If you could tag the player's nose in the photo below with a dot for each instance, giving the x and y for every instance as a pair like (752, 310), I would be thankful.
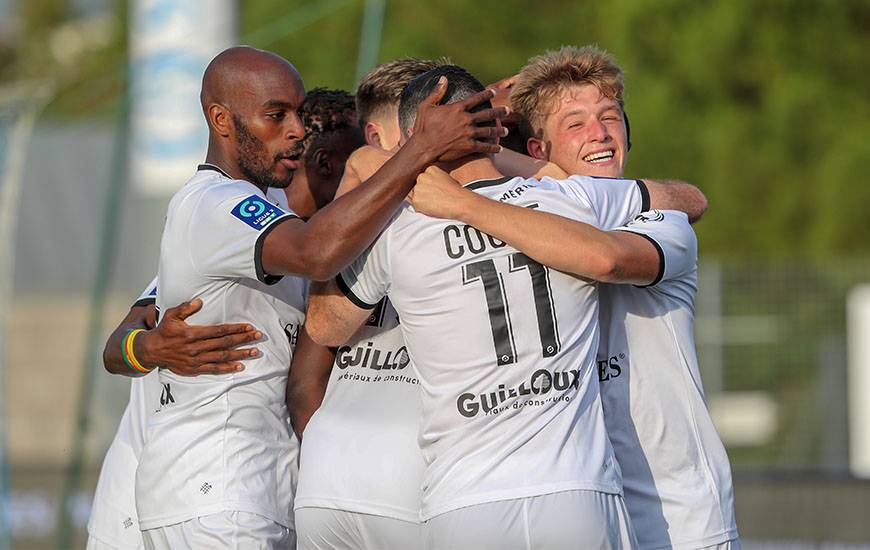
(295, 130)
(597, 130)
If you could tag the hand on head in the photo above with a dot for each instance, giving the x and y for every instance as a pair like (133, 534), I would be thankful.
(452, 131)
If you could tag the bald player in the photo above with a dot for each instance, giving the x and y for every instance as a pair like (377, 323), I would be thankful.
(331, 133)
(218, 467)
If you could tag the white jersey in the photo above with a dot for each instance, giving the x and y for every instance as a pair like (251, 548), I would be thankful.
(113, 518)
(360, 451)
(505, 348)
(675, 471)
(223, 442)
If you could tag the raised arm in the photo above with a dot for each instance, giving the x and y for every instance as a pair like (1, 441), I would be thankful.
(184, 349)
(581, 249)
(338, 233)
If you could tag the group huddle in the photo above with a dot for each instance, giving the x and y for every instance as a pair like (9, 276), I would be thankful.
(430, 315)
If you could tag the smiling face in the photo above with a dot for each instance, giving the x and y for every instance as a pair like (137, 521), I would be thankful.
(268, 129)
(583, 133)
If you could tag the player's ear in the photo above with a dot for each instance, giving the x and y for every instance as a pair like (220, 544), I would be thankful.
(220, 119)
(322, 163)
(537, 148)
(372, 134)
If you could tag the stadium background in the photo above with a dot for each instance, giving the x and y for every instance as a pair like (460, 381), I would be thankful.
(763, 104)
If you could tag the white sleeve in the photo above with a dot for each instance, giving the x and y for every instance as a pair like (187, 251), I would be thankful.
(367, 279)
(148, 296)
(227, 228)
(614, 202)
(673, 237)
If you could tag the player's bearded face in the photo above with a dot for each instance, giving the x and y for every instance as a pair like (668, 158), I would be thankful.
(586, 133)
(257, 164)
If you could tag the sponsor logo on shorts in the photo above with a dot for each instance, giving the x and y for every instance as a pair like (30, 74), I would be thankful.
(256, 212)
(542, 387)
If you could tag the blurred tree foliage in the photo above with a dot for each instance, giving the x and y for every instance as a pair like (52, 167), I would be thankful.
(764, 104)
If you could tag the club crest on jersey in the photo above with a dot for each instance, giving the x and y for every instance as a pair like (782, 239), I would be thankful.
(649, 216)
(256, 212)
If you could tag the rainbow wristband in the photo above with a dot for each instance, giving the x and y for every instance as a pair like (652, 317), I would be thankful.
(127, 352)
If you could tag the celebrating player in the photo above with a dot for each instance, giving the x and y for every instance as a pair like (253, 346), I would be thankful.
(370, 411)
(512, 431)
(218, 464)
(677, 479)
(331, 131)
(676, 474)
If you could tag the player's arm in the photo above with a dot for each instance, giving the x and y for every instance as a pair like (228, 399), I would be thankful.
(567, 245)
(511, 163)
(677, 195)
(333, 317)
(184, 349)
(309, 375)
(338, 233)
(663, 194)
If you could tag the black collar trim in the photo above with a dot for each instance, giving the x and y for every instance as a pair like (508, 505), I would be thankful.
(480, 184)
(218, 169)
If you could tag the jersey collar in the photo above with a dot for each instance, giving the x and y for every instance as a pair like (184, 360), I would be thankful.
(218, 169)
(480, 184)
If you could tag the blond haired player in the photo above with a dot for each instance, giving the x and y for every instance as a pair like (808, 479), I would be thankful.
(377, 98)
(676, 475)
(512, 430)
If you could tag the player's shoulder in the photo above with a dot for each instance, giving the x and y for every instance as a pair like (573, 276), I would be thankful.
(505, 188)
(207, 193)
(672, 221)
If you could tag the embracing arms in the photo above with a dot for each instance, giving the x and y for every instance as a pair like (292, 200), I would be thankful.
(338, 233)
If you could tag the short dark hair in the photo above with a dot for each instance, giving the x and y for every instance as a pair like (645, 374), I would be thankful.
(460, 85)
(383, 85)
(324, 113)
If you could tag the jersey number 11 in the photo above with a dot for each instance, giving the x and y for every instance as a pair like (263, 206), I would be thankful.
(499, 309)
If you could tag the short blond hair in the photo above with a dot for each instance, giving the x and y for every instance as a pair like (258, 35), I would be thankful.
(381, 87)
(545, 76)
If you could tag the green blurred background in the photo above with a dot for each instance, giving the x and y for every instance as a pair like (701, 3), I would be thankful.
(763, 104)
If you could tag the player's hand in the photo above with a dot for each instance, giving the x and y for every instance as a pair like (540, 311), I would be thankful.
(449, 132)
(189, 350)
(439, 195)
(502, 90)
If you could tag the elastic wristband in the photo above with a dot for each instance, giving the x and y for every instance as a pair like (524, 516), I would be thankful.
(129, 356)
